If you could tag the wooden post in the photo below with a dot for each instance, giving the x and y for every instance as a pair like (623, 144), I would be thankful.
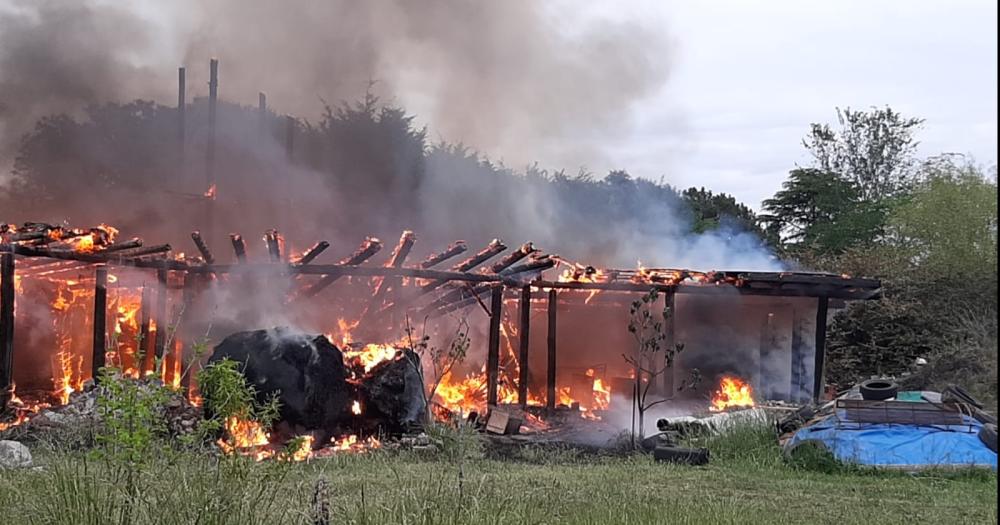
(187, 300)
(100, 320)
(273, 245)
(819, 373)
(145, 348)
(524, 309)
(262, 112)
(289, 137)
(161, 313)
(206, 254)
(239, 248)
(493, 354)
(6, 327)
(213, 95)
(181, 111)
(550, 380)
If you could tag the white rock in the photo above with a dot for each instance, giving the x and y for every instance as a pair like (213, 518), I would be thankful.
(14, 455)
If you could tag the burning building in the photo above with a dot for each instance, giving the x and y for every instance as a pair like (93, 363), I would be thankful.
(540, 331)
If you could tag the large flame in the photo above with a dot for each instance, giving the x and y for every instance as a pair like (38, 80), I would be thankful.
(733, 392)
(371, 355)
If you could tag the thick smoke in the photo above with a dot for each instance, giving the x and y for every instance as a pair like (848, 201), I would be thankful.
(511, 78)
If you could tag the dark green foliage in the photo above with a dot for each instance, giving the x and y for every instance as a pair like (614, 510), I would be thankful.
(881, 338)
(819, 212)
(132, 417)
(226, 394)
(711, 211)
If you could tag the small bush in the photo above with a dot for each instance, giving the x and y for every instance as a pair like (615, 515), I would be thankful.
(227, 394)
(132, 416)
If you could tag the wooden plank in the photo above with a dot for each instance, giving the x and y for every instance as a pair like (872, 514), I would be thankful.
(493, 352)
(524, 311)
(819, 363)
(550, 379)
(6, 327)
(100, 321)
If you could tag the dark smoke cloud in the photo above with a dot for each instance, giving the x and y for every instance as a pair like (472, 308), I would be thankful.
(515, 78)
(58, 56)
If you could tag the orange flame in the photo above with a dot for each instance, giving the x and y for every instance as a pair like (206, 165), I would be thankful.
(732, 392)
(371, 355)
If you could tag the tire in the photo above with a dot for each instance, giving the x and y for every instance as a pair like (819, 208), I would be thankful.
(878, 390)
(684, 456)
(988, 435)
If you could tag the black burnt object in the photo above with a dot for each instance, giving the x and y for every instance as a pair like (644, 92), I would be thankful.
(306, 372)
(392, 394)
(318, 393)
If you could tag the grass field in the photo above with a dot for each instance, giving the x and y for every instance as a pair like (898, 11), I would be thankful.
(746, 483)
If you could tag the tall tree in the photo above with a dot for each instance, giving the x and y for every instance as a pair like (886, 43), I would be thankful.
(873, 149)
(820, 212)
(711, 211)
(948, 224)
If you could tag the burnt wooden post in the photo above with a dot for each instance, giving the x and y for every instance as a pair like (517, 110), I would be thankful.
(100, 320)
(312, 253)
(262, 112)
(213, 96)
(144, 347)
(239, 247)
(667, 381)
(289, 137)
(550, 379)
(6, 327)
(819, 373)
(523, 341)
(206, 254)
(161, 313)
(181, 110)
(273, 245)
(493, 355)
(187, 300)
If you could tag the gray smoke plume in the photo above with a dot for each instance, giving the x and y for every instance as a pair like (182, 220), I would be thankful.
(513, 78)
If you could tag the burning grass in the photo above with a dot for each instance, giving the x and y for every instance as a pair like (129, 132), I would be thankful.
(746, 483)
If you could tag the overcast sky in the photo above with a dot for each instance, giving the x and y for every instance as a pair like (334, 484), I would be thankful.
(748, 78)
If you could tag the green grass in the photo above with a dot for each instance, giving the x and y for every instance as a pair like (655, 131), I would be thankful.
(746, 482)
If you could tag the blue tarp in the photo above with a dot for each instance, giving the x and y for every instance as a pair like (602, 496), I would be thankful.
(909, 447)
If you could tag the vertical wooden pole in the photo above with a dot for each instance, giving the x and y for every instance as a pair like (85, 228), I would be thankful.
(239, 247)
(187, 299)
(289, 137)
(550, 380)
(493, 354)
(819, 373)
(100, 320)
(161, 313)
(667, 382)
(525, 313)
(262, 113)
(181, 111)
(213, 95)
(6, 327)
(145, 349)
